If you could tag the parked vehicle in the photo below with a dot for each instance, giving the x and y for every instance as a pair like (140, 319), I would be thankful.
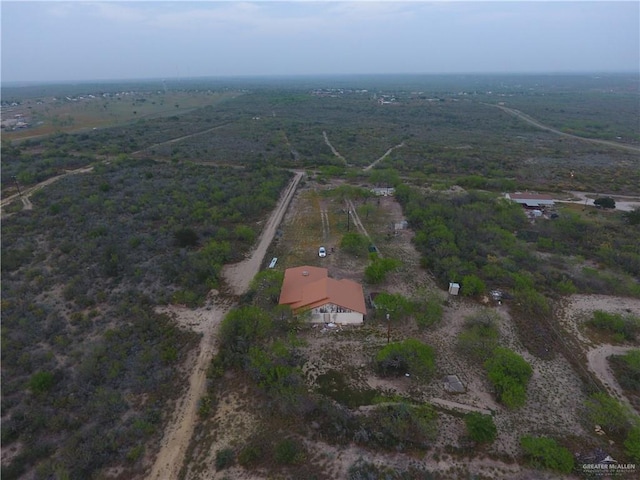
(322, 252)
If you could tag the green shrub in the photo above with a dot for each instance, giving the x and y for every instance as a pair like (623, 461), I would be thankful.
(605, 202)
(398, 426)
(472, 286)
(135, 453)
(609, 413)
(354, 243)
(480, 336)
(632, 217)
(41, 382)
(546, 453)
(395, 304)
(204, 406)
(410, 356)
(626, 327)
(480, 427)
(276, 369)
(185, 237)
(627, 370)
(378, 269)
(632, 443)
(429, 313)
(242, 328)
(532, 302)
(289, 452)
(509, 373)
(250, 455)
(224, 458)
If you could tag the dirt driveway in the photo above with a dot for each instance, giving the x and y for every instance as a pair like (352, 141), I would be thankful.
(206, 320)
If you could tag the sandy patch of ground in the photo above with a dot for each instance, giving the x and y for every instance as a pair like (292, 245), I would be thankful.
(180, 429)
(577, 310)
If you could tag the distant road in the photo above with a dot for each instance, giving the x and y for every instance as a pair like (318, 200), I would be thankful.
(27, 192)
(536, 123)
(624, 203)
(335, 152)
(386, 154)
(179, 139)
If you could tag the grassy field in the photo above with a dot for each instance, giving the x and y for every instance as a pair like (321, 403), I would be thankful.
(81, 113)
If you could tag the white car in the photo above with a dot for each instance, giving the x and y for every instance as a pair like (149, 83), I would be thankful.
(322, 252)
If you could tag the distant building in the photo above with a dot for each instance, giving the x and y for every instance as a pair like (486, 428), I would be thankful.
(383, 192)
(329, 301)
(531, 200)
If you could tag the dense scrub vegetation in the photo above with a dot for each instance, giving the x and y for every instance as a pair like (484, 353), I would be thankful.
(88, 368)
(286, 127)
(471, 234)
(620, 327)
(128, 223)
(75, 404)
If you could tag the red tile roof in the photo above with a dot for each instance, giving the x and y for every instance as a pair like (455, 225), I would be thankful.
(310, 287)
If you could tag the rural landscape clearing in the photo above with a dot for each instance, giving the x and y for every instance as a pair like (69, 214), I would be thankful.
(144, 326)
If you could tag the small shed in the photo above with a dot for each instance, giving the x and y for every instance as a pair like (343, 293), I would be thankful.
(454, 288)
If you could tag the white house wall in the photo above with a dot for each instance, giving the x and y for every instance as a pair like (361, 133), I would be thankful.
(343, 318)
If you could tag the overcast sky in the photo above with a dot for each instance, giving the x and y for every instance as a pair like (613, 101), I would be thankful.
(58, 41)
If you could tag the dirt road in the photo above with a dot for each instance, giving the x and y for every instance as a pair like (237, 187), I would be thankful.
(239, 276)
(386, 154)
(599, 365)
(179, 139)
(335, 152)
(206, 320)
(536, 123)
(624, 203)
(357, 222)
(27, 192)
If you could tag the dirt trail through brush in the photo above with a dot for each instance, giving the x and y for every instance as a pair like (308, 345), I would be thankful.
(239, 276)
(335, 152)
(386, 154)
(179, 139)
(27, 192)
(536, 123)
(206, 320)
(599, 365)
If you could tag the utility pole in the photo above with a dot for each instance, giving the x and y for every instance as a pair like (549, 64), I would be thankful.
(15, 180)
(388, 329)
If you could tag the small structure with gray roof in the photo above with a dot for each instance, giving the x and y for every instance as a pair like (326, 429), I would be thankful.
(531, 200)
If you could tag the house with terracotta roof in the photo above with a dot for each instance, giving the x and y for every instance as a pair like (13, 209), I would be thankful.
(328, 300)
